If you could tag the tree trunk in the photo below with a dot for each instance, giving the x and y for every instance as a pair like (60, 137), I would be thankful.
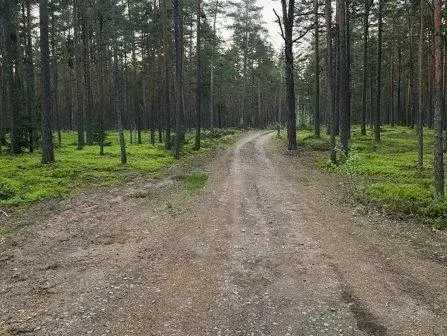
(437, 141)
(343, 77)
(330, 79)
(56, 113)
(88, 111)
(30, 87)
(199, 78)
(47, 137)
(213, 51)
(119, 106)
(379, 73)
(78, 77)
(178, 29)
(167, 72)
(101, 114)
(420, 129)
(317, 70)
(288, 18)
(10, 38)
(368, 4)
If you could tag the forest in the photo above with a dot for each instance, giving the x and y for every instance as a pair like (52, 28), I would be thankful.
(362, 75)
(223, 167)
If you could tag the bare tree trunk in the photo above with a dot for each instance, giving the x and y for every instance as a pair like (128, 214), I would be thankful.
(377, 122)
(400, 116)
(343, 79)
(78, 77)
(101, 114)
(420, 129)
(368, 4)
(10, 38)
(199, 77)
(167, 72)
(411, 120)
(213, 51)
(88, 111)
(47, 137)
(437, 141)
(330, 79)
(30, 87)
(134, 85)
(317, 70)
(288, 11)
(56, 113)
(179, 113)
(119, 106)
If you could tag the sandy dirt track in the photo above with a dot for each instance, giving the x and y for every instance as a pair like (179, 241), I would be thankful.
(267, 248)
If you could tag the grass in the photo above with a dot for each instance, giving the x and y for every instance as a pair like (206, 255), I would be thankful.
(25, 180)
(4, 230)
(194, 181)
(386, 175)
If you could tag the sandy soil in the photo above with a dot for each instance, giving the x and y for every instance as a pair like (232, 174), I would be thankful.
(267, 248)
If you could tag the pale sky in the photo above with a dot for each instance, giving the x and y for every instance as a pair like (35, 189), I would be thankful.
(270, 18)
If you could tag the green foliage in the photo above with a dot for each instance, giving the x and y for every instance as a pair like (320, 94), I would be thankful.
(387, 174)
(308, 140)
(210, 139)
(8, 188)
(25, 180)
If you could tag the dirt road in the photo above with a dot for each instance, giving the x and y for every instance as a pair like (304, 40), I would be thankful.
(265, 249)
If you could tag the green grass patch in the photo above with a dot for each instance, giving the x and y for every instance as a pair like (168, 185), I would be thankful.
(386, 174)
(194, 182)
(4, 230)
(25, 180)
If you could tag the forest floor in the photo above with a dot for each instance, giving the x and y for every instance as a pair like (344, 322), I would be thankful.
(269, 247)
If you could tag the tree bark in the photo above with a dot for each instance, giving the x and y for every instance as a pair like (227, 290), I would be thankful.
(56, 113)
(178, 29)
(10, 38)
(330, 79)
(420, 129)
(30, 87)
(119, 106)
(317, 70)
(343, 77)
(377, 122)
(88, 111)
(47, 136)
(78, 77)
(213, 51)
(368, 4)
(199, 77)
(437, 141)
(289, 18)
(101, 114)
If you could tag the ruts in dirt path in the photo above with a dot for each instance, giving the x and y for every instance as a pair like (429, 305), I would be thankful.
(264, 249)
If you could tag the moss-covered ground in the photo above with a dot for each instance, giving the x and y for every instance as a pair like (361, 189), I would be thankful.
(24, 180)
(386, 174)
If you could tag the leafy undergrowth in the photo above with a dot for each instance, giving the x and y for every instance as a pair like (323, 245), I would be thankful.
(25, 180)
(386, 175)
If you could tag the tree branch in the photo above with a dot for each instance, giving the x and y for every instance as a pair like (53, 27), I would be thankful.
(280, 25)
(303, 34)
